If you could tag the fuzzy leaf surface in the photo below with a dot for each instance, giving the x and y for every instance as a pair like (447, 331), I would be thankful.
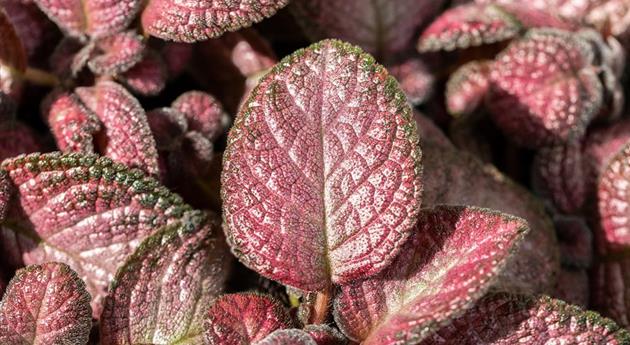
(44, 305)
(147, 77)
(203, 112)
(116, 54)
(288, 337)
(244, 318)
(85, 211)
(324, 152)
(452, 258)
(199, 20)
(159, 296)
(72, 124)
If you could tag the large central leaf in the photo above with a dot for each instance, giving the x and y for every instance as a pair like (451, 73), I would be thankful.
(321, 182)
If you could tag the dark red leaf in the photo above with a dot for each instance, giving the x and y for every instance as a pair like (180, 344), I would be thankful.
(572, 286)
(324, 152)
(575, 240)
(288, 337)
(325, 335)
(148, 77)
(45, 304)
(244, 318)
(29, 22)
(463, 249)
(610, 280)
(160, 294)
(198, 20)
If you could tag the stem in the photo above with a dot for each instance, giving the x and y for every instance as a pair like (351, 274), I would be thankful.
(40, 77)
(321, 306)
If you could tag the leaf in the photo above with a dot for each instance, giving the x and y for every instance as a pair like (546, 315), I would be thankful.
(545, 89)
(572, 286)
(324, 152)
(73, 125)
(467, 87)
(69, 57)
(325, 335)
(383, 28)
(116, 54)
(600, 146)
(288, 337)
(93, 18)
(610, 279)
(30, 24)
(612, 203)
(177, 57)
(509, 319)
(200, 20)
(148, 77)
(16, 138)
(415, 79)
(560, 175)
(575, 240)
(467, 26)
(203, 112)
(45, 304)
(126, 136)
(463, 249)
(447, 176)
(85, 211)
(12, 57)
(160, 294)
(243, 318)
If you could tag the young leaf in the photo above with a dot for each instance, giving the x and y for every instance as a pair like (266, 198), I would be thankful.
(72, 124)
(146, 78)
(325, 152)
(451, 260)
(383, 28)
(93, 18)
(116, 54)
(45, 304)
(467, 87)
(545, 89)
(468, 26)
(243, 318)
(288, 337)
(126, 136)
(84, 210)
(199, 20)
(415, 79)
(12, 57)
(203, 113)
(510, 319)
(160, 294)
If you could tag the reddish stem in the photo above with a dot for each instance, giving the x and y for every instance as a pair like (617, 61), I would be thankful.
(319, 313)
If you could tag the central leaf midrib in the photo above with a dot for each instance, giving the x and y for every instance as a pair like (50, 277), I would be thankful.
(325, 220)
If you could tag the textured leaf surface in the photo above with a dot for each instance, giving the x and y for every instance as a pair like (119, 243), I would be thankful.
(148, 77)
(244, 318)
(161, 293)
(288, 337)
(610, 290)
(467, 87)
(325, 153)
(12, 57)
(415, 79)
(45, 304)
(468, 26)
(203, 112)
(448, 173)
(561, 173)
(86, 211)
(72, 123)
(505, 319)
(325, 335)
(449, 262)
(601, 145)
(126, 136)
(545, 89)
(117, 53)
(198, 20)
(95, 18)
(383, 28)
(613, 201)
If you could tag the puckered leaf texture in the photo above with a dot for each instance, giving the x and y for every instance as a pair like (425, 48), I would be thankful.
(45, 305)
(160, 295)
(452, 258)
(322, 176)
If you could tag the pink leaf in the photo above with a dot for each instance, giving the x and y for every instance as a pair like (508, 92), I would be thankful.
(95, 18)
(72, 123)
(116, 54)
(468, 26)
(601, 145)
(383, 28)
(45, 304)
(506, 319)
(126, 136)
(467, 87)
(545, 89)
(288, 337)
(159, 295)
(198, 20)
(324, 152)
(463, 249)
(325, 335)
(447, 175)
(86, 211)
(560, 172)
(203, 113)
(243, 318)
(148, 77)
(415, 79)
(12, 57)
